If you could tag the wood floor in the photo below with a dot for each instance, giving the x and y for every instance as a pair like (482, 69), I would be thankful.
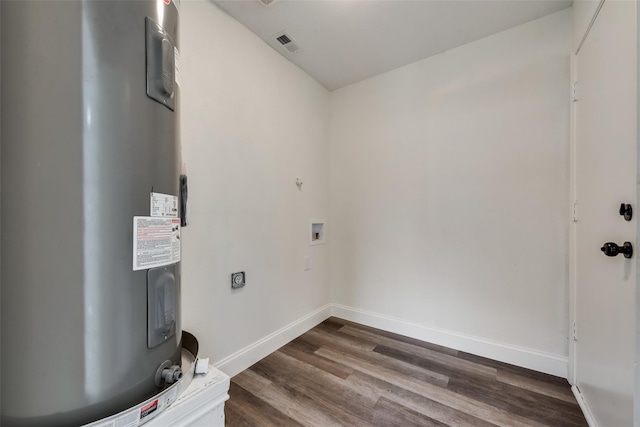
(344, 374)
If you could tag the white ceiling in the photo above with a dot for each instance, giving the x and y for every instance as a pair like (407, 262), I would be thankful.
(345, 41)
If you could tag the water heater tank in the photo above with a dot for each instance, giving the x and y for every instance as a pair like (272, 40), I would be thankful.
(90, 220)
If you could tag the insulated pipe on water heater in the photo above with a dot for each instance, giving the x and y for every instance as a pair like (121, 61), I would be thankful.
(90, 183)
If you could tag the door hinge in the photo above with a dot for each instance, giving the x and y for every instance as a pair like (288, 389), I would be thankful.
(575, 212)
(575, 332)
(574, 92)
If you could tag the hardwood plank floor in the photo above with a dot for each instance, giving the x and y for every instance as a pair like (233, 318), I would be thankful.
(344, 374)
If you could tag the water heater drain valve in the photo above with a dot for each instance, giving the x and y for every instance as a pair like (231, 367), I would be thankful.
(168, 373)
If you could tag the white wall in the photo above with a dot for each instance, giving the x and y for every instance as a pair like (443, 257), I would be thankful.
(449, 191)
(583, 12)
(448, 188)
(251, 124)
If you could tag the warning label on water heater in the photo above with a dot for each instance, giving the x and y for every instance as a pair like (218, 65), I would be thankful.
(156, 242)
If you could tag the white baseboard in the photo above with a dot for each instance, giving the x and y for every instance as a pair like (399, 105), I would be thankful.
(515, 355)
(520, 356)
(241, 360)
(586, 410)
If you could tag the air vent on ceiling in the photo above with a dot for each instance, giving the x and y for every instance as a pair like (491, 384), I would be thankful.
(267, 2)
(286, 41)
(283, 39)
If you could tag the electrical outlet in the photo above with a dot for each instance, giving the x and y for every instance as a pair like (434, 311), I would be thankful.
(238, 280)
(307, 263)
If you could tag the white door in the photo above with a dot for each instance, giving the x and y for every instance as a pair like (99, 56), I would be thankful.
(605, 141)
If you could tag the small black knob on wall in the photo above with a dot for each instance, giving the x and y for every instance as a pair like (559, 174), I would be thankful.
(626, 211)
(612, 249)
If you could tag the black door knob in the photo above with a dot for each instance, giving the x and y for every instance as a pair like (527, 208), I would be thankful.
(611, 249)
(626, 211)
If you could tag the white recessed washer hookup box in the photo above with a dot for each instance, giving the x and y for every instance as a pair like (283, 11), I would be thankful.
(318, 232)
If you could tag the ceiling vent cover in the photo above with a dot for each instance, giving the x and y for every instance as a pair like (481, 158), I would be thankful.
(285, 40)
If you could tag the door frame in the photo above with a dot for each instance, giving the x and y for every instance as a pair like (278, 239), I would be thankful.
(573, 217)
(574, 208)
